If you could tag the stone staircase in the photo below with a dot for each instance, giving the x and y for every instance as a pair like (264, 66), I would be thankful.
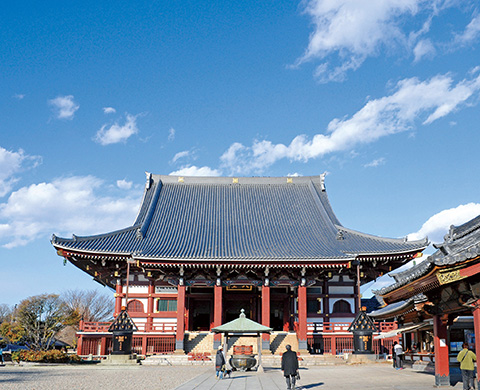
(278, 341)
(198, 342)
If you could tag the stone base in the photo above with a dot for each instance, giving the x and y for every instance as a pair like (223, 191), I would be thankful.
(361, 358)
(115, 360)
(442, 380)
(179, 352)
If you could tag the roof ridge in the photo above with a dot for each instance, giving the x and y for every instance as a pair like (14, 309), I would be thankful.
(55, 239)
(385, 239)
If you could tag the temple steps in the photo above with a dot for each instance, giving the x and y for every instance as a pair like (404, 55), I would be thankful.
(201, 342)
(198, 342)
(278, 341)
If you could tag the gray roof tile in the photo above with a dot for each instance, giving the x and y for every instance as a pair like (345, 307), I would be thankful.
(204, 218)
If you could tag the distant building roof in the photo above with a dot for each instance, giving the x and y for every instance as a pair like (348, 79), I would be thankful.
(460, 244)
(247, 219)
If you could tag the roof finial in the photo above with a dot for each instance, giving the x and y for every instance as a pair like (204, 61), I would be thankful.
(242, 313)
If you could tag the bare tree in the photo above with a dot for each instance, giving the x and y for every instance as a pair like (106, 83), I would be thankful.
(90, 305)
(41, 317)
(6, 312)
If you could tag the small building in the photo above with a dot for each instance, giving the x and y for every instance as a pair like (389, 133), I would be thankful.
(203, 248)
(449, 283)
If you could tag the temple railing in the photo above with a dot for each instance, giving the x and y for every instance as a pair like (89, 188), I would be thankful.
(102, 327)
(334, 327)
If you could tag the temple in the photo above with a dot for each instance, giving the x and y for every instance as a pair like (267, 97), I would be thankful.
(203, 248)
(437, 294)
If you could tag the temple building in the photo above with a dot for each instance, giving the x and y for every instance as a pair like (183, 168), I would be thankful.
(443, 288)
(203, 248)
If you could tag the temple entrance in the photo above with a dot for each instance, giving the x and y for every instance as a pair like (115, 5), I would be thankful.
(280, 309)
(236, 300)
(200, 314)
(200, 308)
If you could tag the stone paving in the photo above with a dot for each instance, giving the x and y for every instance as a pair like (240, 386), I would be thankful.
(365, 376)
(361, 376)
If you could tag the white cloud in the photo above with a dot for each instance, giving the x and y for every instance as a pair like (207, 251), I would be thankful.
(347, 32)
(12, 163)
(471, 33)
(109, 110)
(41, 209)
(171, 134)
(180, 155)
(19, 96)
(375, 163)
(192, 170)
(412, 101)
(124, 185)
(116, 133)
(424, 49)
(64, 107)
(438, 225)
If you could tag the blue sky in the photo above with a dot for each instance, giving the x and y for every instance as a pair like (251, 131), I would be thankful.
(382, 95)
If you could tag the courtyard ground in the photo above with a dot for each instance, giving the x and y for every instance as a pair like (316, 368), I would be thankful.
(59, 377)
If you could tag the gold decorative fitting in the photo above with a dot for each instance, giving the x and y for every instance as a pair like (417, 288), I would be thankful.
(449, 277)
(115, 273)
(87, 267)
(289, 180)
(235, 180)
(181, 179)
(96, 273)
(149, 274)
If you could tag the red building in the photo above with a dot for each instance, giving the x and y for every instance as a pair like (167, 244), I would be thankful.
(203, 248)
(448, 283)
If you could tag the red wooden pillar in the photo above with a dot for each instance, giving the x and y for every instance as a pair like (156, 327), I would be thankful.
(118, 298)
(80, 344)
(179, 347)
(302, 318)
(151, 291)
(217, 313)
(266, 316)
(144, 345)
(476, 324)
(103, 346)
(442, 361)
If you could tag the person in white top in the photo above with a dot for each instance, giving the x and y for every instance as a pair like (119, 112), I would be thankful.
(399, 356)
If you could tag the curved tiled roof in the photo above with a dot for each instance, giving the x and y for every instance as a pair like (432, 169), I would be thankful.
(460, 244)
(201, 218)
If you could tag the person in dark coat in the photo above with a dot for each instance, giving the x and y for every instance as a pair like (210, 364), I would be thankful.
(290, 367)
(219, 363)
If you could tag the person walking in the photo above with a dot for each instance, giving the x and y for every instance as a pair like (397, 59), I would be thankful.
(394, 358)
(466, 359)
(219, 363)
(399, 356)
(290, 367)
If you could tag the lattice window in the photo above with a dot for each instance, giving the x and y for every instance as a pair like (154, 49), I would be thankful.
(167, 305)
(135, 306)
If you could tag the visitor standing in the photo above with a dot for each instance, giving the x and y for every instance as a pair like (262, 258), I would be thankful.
(399, 356)
(219, 363)
(394, 358)
(290, 367)
(466, 359)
